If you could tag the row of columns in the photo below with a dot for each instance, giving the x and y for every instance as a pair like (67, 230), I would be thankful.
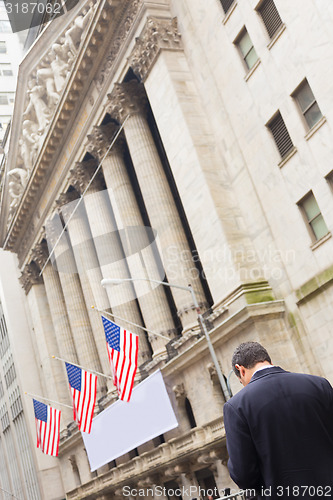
(106, 237)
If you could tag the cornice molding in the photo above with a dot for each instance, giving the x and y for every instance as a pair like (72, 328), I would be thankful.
(125, 27)
(158, 34)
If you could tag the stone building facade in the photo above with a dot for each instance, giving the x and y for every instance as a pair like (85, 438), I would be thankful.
(209, 123)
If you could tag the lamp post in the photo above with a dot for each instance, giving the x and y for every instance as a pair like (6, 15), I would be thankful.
(117, 281)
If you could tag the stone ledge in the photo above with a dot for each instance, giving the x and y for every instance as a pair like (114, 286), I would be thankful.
(220, 334)
(315, 285)
(207, 439)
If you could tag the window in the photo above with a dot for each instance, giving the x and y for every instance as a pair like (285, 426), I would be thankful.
(3, 48)
(6, 99)
(5, 27)
(281, 135)
(270, 16)
(246, 49)
(313, 217)
(226, 4)
(329, 178)
(6, 70)
(307, 103)
(190, 414)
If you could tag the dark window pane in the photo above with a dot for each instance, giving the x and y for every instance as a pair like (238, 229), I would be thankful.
(226, 4)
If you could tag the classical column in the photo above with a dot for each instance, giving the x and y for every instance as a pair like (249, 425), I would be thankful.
(57, 304)
(109, 258)
(192, 142)
(89, 272)
(75, 304)
(134, 237)
(129, 100)
(54, 380)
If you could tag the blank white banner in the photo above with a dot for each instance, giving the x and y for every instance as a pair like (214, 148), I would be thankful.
(124, 426)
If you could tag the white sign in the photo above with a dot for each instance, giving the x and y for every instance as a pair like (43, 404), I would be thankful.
(124, 426)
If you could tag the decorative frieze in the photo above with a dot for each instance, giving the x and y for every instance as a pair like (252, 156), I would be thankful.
(158, 34)
(125, 27)
(45, 86)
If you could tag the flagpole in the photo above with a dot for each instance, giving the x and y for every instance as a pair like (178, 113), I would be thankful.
(83, 368)
(130, 323)
(47, 399)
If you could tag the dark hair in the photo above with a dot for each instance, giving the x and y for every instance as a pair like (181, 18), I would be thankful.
(248, 355)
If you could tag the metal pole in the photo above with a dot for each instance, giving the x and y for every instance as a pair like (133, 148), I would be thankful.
(83, 368)
(114, 281)
(47, 399)
(210, 345)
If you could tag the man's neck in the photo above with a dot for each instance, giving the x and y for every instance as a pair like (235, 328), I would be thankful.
(261, 366)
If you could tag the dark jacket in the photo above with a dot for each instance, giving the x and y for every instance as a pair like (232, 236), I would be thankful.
(279, 432)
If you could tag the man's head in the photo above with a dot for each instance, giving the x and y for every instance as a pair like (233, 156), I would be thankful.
(247, 358)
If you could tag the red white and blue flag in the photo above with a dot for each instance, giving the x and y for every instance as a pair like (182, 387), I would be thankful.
(123, 349)
(47, 427)
(83, 387)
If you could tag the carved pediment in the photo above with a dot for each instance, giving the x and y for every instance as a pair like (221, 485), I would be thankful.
(49, 89)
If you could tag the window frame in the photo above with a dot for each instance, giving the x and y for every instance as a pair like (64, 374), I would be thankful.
(308, 222)
(329, 179)
(236, 42)
(302, 112)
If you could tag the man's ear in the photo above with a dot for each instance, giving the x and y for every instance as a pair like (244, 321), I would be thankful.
(241, 370)
(237, 369)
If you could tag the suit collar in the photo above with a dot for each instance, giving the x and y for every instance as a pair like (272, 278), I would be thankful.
(265, 372)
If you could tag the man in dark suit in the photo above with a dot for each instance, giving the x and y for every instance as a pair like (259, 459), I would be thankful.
(279, 429)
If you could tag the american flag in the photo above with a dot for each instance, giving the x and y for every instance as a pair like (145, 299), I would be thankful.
(47, 427)
(123, 356)
(83, 388)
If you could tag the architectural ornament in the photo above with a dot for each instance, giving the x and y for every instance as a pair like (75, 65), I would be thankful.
(179, 391)
(45, 85)
(30, 276)
(126, 98)
(118, 42)
(82, 174)
(40, 254)
(157, 34)
(100, 139)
